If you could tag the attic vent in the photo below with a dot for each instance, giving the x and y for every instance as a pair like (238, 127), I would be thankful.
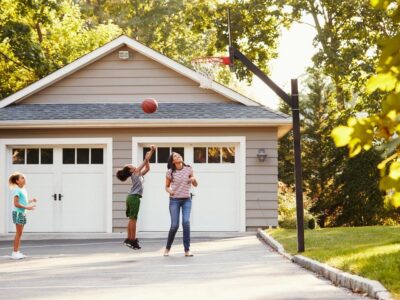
(123, 54)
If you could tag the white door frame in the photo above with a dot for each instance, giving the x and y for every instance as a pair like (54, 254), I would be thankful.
(241, 140)
(106, 141)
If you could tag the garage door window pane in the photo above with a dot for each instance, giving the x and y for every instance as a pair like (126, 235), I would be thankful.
(97, 156)
(32, 156)
(162, 154)
(179, 150)
(214, 155)
(82, 156)
(200, 155)
(228, 155)
(153, 157)
(18, 156)
(46, 156)
(69, 156)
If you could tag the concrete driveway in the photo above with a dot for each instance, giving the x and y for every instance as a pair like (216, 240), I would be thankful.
(223, 268)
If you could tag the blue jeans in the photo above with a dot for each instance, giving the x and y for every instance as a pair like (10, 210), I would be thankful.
(174, 209)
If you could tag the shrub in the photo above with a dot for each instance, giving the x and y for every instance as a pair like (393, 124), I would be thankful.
(287, 209)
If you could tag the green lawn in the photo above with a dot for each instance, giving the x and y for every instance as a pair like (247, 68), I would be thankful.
(372, 252)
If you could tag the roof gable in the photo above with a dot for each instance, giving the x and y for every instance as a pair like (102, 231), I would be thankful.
(109, 48)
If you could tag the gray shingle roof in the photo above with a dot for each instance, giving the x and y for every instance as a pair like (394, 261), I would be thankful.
(118, 111)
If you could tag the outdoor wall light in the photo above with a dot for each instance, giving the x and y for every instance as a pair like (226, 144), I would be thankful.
(261, 155)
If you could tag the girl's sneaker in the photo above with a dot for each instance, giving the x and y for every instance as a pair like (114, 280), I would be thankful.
(23, 255)
(17, 255)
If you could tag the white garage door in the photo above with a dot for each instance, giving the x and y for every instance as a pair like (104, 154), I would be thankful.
(216, 199)
(69, 183)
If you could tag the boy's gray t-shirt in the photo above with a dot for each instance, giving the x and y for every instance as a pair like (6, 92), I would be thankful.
(137, 185)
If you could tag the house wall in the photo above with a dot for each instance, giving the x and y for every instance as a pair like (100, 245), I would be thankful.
(261, 178)
(113, 80)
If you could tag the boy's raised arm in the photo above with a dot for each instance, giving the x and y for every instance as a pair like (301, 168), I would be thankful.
(149, 154)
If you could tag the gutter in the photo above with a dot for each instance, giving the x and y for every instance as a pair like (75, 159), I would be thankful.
(284, 125)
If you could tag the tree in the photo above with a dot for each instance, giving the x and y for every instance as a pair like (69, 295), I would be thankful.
(383, 127)
(184, 30)
(357, 200)
(39, 37)
(346, 37)
(321, 161)
(330, 183)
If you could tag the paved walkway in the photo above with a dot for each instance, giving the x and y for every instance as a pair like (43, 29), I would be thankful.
(223, 268)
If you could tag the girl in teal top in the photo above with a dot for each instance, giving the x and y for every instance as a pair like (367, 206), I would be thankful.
(21, 204)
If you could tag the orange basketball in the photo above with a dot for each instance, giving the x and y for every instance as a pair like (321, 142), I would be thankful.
(149, 105)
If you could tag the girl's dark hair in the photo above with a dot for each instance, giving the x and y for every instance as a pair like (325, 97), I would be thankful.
(12, 180)
(171, 165)
(124, 173)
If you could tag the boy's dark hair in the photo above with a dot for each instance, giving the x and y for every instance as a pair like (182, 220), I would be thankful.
(12, 180)
(124, 173)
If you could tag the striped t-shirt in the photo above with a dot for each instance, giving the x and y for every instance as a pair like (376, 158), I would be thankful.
(180, 181)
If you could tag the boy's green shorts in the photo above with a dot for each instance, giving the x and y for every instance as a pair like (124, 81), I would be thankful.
(132, 206)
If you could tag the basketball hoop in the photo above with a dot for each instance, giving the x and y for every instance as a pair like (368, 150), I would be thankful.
(207, 68)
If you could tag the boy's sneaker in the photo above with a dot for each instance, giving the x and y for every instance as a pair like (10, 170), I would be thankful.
(135, 244)
(17, 255)
(127, 243)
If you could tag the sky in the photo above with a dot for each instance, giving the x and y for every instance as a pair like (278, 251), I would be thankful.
(295, 52)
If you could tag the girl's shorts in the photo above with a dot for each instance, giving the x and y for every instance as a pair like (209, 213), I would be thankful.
(19, 218)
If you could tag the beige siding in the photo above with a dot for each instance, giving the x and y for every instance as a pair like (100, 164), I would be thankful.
(261, 178)
(113, 80)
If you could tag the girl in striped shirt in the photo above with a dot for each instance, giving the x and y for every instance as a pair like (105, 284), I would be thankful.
(179, 180)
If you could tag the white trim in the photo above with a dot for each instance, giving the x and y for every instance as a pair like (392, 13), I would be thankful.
(147, 122)
(108, 48)
(241, 140)
(107, 141)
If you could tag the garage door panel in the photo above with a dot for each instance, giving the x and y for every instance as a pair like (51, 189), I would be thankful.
(154, 207)
(82, 207)
(214, 205)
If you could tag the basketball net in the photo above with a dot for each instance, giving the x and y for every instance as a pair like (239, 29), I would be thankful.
(207, 68)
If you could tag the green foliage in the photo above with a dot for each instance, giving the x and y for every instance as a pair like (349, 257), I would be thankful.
(337, 194)
(381, 128)
(358, 200)
(347, 34)
(287, 209)
(184, 30)
(39, 37)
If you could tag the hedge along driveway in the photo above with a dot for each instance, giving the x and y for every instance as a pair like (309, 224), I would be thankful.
(372, 252)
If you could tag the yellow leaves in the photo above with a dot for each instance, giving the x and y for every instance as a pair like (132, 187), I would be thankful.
(395, 199)
(394, 170)
(391, 103)
(382, 81)
(357, 135)
(383, 4)
(341, 135)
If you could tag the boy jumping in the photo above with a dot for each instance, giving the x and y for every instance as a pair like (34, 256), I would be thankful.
(133, 198)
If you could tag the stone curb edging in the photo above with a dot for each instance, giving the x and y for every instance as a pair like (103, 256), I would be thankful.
(355, 283)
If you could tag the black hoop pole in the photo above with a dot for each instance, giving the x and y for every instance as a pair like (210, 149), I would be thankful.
(293, 101)
(297, 165)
